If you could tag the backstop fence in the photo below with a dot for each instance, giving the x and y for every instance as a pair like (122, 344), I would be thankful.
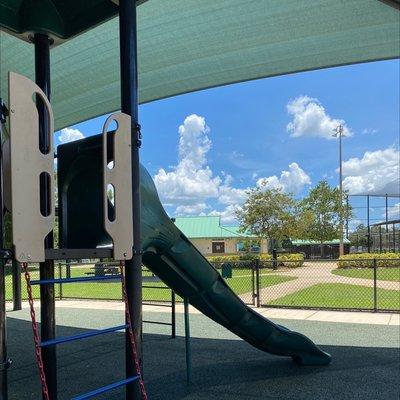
(353, 284)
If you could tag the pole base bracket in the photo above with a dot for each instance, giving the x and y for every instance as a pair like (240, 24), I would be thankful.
(6, 365)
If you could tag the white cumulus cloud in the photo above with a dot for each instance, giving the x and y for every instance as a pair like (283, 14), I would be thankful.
(228, 215)
(229, 194)
(376, 172)
(194, 209)
(69, 135)
(311, 119)
(191, 180)
(292, 181)
(190, 185)
(393, 212)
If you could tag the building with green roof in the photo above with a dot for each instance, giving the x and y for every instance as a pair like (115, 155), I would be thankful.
(211, 237)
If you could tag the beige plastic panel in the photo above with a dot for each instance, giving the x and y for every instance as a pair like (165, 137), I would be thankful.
(5, 152)
(29, 226)
(119, 176)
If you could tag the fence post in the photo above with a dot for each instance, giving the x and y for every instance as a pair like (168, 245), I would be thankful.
(253, 283)
(16, 285)
(68, 264)
(258, 281)
(60, 276)
(274, 257)
(173, 315)
(375, 288)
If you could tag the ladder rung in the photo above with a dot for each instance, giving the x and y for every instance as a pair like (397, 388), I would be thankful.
(105, 389)
(85, 335)
(77, 279)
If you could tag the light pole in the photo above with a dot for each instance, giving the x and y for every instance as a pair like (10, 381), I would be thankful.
(339, 133)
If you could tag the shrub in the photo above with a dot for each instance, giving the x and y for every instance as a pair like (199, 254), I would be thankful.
(221, 259)
(247, 260)
(232, 257)
(294, 260)
(366, 260)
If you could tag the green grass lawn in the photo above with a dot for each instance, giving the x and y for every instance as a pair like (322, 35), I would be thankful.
(241, 282)
(384, 274)
(340, 295)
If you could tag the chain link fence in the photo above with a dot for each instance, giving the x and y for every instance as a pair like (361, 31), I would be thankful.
(352, 284)
(240, 277)
(368, 284)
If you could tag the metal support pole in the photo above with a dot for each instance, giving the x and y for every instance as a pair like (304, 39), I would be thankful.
(347, 216)
(253, 284)
(68, 268)
(60, 294)
(4, 361)
(375, 288)
(339, 133)
(16, 284)
(47, 296)
(380, 239)
(258, 282)
(173, 315)
(369, 228)
(187, 342)
(341, 246)
(394, 238)
(129, 105)
(386, 212)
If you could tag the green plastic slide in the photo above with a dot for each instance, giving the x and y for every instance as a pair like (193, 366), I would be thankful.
(170, 255)
(166, 251)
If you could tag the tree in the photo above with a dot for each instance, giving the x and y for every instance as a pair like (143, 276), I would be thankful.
(324, 212)
(268, 213)
(359, 237)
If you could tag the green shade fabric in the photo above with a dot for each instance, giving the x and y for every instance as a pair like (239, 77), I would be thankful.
(187, 45)
(58, 18)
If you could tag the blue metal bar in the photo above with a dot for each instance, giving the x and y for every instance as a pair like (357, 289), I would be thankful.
(78, 279)
(105, 389)
(85, 335)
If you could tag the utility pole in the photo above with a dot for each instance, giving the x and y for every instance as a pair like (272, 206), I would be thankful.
(339, 134)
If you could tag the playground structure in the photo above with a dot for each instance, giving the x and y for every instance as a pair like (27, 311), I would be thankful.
(136, 224)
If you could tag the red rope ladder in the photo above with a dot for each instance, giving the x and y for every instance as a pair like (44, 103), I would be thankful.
(36, 337)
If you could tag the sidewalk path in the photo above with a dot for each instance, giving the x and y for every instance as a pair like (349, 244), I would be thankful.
(371, 318)
(311, 274)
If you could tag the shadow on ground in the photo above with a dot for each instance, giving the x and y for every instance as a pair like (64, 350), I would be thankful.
(222, 369)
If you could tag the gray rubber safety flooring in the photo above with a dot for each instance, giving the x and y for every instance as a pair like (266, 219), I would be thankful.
(365, 364)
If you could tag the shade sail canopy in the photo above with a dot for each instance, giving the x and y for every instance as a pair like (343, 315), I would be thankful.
(188, 45)
(60, 19)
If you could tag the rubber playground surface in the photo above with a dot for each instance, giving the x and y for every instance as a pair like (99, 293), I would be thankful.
(365, 360)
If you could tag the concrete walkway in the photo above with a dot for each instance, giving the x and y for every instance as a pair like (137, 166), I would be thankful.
(370, 318)
(311, 274)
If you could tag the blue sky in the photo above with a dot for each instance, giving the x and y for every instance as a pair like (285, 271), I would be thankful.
(275, 130)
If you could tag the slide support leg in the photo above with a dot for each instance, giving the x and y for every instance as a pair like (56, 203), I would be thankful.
(187, 342)
(47, 298)
(129, 105)
(4, 361)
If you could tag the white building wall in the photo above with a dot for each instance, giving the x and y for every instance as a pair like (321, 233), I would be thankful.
(205, 245)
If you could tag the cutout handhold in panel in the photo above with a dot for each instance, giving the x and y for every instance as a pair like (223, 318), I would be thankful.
(117, 183)
(28, 163)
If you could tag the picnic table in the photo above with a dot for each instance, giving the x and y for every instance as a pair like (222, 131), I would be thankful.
(102, 269)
